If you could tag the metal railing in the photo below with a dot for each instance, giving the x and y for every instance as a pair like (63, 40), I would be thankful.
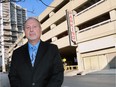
(89, 7)
(72, 67)
(96, 25)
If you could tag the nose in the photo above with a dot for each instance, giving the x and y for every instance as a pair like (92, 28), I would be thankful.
(31, 29)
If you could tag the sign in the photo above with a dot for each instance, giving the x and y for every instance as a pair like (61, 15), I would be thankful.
(71, 28)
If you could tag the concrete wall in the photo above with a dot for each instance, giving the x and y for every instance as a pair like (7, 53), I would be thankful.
(96, 44)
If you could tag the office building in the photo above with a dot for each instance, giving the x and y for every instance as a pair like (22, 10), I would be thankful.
(11, 27)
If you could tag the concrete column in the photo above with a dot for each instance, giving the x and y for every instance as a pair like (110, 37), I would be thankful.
(2, 40)
(52, 26)
(54, 39)
(80, 60)
(115, 36)
(113, 18)
(113, 15)
(51, 14)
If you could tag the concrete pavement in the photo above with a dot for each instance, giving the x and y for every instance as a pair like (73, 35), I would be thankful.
(102, 80)
(76, 72)
(4, 82)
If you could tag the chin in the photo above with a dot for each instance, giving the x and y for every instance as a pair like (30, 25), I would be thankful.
(34, 38)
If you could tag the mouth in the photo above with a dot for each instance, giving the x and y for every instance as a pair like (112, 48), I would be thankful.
(32, 34)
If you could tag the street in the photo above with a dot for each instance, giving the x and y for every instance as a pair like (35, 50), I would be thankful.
(101, 80)
(90, 81)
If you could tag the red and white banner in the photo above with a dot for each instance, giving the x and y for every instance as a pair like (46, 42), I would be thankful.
(71, 28)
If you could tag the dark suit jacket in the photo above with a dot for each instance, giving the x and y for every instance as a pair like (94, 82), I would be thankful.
(47, 70)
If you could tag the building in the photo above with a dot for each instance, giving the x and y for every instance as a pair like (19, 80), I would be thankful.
(12, 19)
(95, 27)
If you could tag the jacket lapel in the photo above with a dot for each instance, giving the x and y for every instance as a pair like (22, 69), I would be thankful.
(26, 56)
(40, 54)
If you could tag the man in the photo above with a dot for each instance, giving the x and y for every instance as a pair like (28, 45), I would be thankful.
(45, 70)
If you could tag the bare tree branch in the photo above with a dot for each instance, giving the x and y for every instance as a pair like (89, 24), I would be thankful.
(4, 1)
(46, 4)
(15, 0)
(31, 11)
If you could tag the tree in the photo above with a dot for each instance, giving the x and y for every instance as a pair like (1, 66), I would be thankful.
(32, 11)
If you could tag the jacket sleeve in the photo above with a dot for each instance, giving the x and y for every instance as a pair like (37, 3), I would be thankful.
(57, 77)
(13, 76)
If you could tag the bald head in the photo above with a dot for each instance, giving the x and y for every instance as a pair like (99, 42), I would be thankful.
(32, 18)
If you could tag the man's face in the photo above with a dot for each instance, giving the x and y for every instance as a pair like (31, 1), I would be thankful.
(32, 30)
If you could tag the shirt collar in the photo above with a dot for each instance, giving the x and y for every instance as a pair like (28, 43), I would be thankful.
(36, 45)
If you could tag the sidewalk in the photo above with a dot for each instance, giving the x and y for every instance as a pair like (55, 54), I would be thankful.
(4, 82)
(109, 72)
(89, 72)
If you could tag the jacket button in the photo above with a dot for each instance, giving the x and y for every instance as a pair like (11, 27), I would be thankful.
(33, 84)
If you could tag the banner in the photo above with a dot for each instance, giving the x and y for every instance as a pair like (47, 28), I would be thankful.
(71, 28)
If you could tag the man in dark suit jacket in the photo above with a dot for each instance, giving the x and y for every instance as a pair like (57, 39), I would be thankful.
(47, 68)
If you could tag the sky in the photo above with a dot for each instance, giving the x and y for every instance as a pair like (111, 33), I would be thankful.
(34, 7)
